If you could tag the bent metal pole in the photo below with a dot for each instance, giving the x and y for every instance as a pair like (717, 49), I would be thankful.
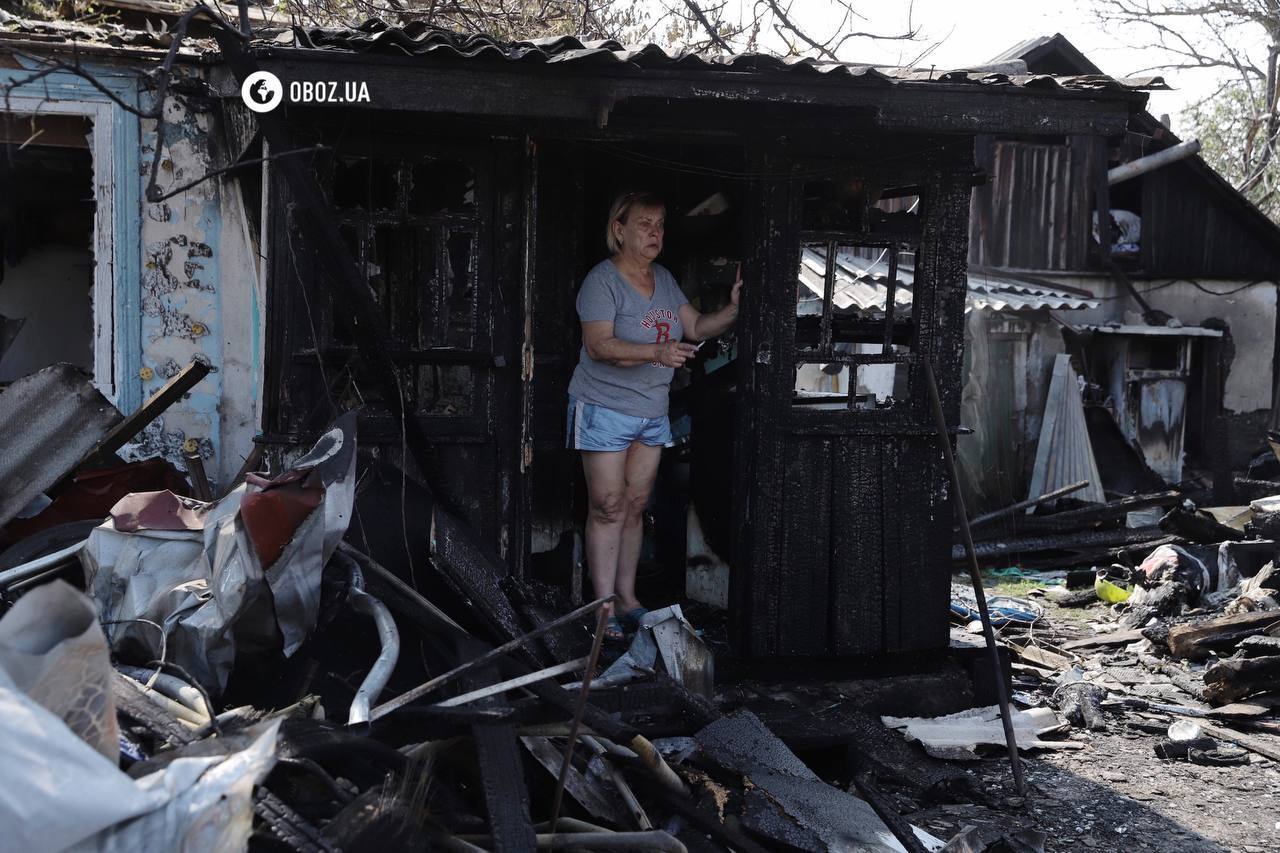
(944, 438)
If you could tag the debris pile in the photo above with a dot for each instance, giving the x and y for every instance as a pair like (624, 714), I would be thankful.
(226, 673)
(1189, 646)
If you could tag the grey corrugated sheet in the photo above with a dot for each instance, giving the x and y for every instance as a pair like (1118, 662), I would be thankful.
(48, 422)
(1064, 454)
(423, 40)
(861, 287)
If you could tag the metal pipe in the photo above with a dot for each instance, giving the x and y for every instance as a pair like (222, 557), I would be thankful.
(180, 712)
(380, 672)
(1151, 162)
(1028, 503)
(493, 654)
(38, 565)
(570, 824)
(624, 790)
(171, 687)
(651, 758)
(513, 683)
(975, 575)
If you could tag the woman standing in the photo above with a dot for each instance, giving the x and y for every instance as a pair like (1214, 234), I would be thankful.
(635, 321)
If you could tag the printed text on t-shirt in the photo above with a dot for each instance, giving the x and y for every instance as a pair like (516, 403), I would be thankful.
(659, 319)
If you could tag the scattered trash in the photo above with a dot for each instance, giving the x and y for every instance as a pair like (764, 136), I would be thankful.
(1109, 590)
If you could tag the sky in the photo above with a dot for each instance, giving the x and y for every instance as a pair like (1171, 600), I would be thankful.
(974, 31)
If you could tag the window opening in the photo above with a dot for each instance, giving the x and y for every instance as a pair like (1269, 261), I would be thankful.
(853, 325)
(412, 225)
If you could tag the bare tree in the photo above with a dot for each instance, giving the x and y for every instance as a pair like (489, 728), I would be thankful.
(1239, 40)
(711, 25)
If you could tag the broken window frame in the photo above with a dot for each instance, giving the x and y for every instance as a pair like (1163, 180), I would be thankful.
(825, 353)
(480, 355)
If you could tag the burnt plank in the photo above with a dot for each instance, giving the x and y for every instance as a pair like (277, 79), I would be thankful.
(803, 588)
(857, 558)
(502, 778)
(767, 336)
(892, 486)
(914, 521)
(588, 94)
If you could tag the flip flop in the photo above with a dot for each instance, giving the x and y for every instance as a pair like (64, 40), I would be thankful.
(634, 616)
(613, 630)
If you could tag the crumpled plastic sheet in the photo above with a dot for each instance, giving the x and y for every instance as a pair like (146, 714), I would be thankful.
(58, 793)
(52, 649)
(183, 581)
(667, 634)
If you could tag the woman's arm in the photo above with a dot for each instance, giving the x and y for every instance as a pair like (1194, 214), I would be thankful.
(699, 327)
(601, 345)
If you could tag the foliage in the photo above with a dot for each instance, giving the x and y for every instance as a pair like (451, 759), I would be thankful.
(1230, 126)
(1239, 125)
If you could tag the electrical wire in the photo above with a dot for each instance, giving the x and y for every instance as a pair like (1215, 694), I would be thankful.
(1197, 285)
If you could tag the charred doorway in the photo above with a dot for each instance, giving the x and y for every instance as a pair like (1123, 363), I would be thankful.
(689, 518)
(46, 238)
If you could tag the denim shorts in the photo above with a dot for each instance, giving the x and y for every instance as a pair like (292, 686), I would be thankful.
(594, 427)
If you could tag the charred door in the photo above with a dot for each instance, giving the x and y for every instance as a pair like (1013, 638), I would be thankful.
(435, 227)
(844, 520)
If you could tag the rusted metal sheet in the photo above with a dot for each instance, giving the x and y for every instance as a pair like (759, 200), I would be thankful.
(49, 421)
(1157, 406)
(1035, 211)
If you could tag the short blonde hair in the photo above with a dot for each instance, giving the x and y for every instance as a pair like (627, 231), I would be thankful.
(621, 209)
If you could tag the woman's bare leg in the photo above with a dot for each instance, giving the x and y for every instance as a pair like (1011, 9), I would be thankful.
(641, 471)
(606, 492)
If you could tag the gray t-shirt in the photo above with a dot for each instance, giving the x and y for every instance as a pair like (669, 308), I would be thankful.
(640, 391)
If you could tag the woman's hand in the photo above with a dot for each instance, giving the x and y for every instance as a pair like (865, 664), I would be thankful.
(675, 353)
(737, 286)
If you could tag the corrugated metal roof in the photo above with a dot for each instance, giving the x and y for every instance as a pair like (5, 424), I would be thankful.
(423, 40)
(861, 287)
(49, 421)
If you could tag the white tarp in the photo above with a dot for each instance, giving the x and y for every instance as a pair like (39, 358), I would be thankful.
(958, 736)
(61, 789)
(58, 793)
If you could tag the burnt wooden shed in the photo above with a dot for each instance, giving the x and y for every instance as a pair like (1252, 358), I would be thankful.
(472, 189)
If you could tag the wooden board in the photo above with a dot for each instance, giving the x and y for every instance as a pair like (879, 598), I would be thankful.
(1116, 638)
(1197, 641)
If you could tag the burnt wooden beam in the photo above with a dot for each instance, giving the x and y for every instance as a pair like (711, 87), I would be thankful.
(1216, 636)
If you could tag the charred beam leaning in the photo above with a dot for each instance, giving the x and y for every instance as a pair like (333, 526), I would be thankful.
(169, 394)
(975, 574)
